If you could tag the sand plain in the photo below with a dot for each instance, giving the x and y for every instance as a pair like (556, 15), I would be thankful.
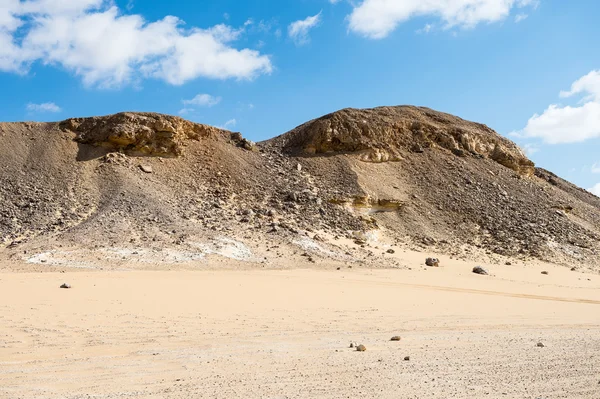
(286, 333)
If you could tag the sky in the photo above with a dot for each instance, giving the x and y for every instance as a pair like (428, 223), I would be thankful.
(529, 69)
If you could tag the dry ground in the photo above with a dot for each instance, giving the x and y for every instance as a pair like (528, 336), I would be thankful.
(286, 334)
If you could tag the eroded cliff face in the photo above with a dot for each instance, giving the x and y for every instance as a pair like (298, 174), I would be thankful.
(139, 134)
(384, 134)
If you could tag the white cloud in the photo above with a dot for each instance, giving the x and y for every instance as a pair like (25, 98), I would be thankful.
(44, 107)
(596, 168)
(298, 31)
(229, 124)
(203, 100)
(595, 190)
(557, 125)
(520, 17)
(376, 19)
(589, 84)
(105, 47)
(185, 111)
(567, 124)
(426, 29)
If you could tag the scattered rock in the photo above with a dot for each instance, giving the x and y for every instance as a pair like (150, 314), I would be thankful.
(417, 149)
(396, 338)
(433, 262)
(508, 263)
(540, 345)
(248, 145)
(146, 168)
(545, 272)
(65, 286)
(406, 358)
(361, 348)
(391, 251)
(480, 270)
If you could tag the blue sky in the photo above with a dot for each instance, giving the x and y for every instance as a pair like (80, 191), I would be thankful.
(529, 69)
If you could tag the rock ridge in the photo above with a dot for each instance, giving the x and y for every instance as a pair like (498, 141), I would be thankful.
(386, 134)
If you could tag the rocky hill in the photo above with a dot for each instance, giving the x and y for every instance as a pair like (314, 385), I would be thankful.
(347, 188)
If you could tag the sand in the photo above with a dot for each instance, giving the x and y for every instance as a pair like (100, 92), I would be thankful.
(286, 333)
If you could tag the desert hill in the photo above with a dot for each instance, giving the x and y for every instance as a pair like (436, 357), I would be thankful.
(147, 188)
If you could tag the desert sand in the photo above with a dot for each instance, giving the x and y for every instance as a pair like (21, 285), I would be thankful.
(287, 333)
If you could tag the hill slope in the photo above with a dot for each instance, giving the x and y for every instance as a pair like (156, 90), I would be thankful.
(150, 188)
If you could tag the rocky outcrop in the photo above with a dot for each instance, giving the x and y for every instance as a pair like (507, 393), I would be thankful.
(440, 184)
(384, 134)
(139, 134)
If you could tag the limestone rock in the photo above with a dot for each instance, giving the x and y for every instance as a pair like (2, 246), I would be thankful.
(138, 133)
(383, 134)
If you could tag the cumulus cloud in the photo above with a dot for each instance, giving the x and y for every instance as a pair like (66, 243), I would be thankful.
(596, 168)
(44, 107)
(595, 190)
(105, 47)
(588, 84)
(299, 30)
(203, 100)
(376, 19)
(569, 124)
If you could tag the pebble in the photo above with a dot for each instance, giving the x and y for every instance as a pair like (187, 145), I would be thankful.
(361, 348)
(66, 286)
(407, 358)
(396, 338)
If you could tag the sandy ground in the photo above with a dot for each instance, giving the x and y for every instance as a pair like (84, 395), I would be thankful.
(286, 334)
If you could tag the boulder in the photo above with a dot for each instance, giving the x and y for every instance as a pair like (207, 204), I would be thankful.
(433, 262)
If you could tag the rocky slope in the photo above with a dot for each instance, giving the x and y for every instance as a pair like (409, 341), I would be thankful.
(345, 188)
